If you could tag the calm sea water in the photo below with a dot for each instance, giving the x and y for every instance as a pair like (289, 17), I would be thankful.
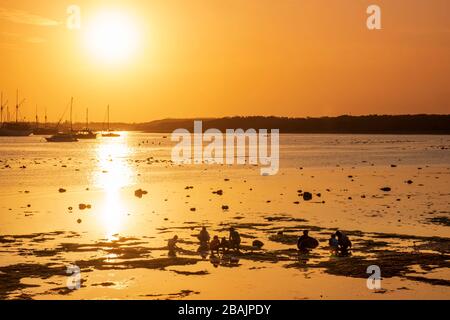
(41, 162)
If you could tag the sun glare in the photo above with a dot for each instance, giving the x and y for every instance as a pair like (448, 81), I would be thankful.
(113, 174)
(112, 36)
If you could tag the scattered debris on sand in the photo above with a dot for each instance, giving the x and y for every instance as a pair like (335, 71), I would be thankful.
(139, 193)
(83, 206)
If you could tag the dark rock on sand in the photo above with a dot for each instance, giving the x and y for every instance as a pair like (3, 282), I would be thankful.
(386, 189)
(258, 244)
(307, 196)
(139, 193)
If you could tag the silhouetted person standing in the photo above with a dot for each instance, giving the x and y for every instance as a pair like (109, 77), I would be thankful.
(172, 246)
(203, 237)
(234, 239)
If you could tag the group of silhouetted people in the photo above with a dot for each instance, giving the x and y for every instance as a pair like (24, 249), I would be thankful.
(215, 245)
(206, 244)
(339, 243)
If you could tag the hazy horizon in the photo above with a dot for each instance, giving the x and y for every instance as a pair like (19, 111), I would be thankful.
(81, 122)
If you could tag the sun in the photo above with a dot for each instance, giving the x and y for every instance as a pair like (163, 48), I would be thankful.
(112, 36)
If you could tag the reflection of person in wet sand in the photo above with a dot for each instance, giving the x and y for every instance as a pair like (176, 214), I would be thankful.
(344, 243)
(215, 260)
(234, 239)
(230, 261)
(172, 246)
(306, 243)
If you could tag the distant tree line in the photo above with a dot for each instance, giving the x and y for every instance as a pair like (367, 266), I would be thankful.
(369, 124)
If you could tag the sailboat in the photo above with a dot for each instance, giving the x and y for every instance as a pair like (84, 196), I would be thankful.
(45, 130)
(64, 136)
(86, 133)
(17, 128)
(109, 133)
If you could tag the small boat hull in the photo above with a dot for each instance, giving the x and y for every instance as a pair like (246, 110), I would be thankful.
(15, 129)
(110, 135)
(85, 135)
(14, 133)
(62, 138)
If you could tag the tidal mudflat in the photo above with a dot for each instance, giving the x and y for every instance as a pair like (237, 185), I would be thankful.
(109, 206)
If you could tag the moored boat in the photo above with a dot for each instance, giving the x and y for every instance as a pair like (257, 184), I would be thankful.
(11, 128)
(86, 133)
(15, 129)
(64, 136)
(109, 133)
(43, 130)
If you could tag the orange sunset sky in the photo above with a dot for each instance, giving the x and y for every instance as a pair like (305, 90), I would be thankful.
(207, 58)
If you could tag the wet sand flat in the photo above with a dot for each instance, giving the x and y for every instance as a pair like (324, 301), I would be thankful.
(77, 205)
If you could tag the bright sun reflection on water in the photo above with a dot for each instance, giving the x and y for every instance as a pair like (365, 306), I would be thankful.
(112, 174)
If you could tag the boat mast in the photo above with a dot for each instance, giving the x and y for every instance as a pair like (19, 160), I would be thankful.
(17, 105)
(45, 118)
(36, 117)
(1, 109)
(71, 105)
(108, 117)
(87, 118)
